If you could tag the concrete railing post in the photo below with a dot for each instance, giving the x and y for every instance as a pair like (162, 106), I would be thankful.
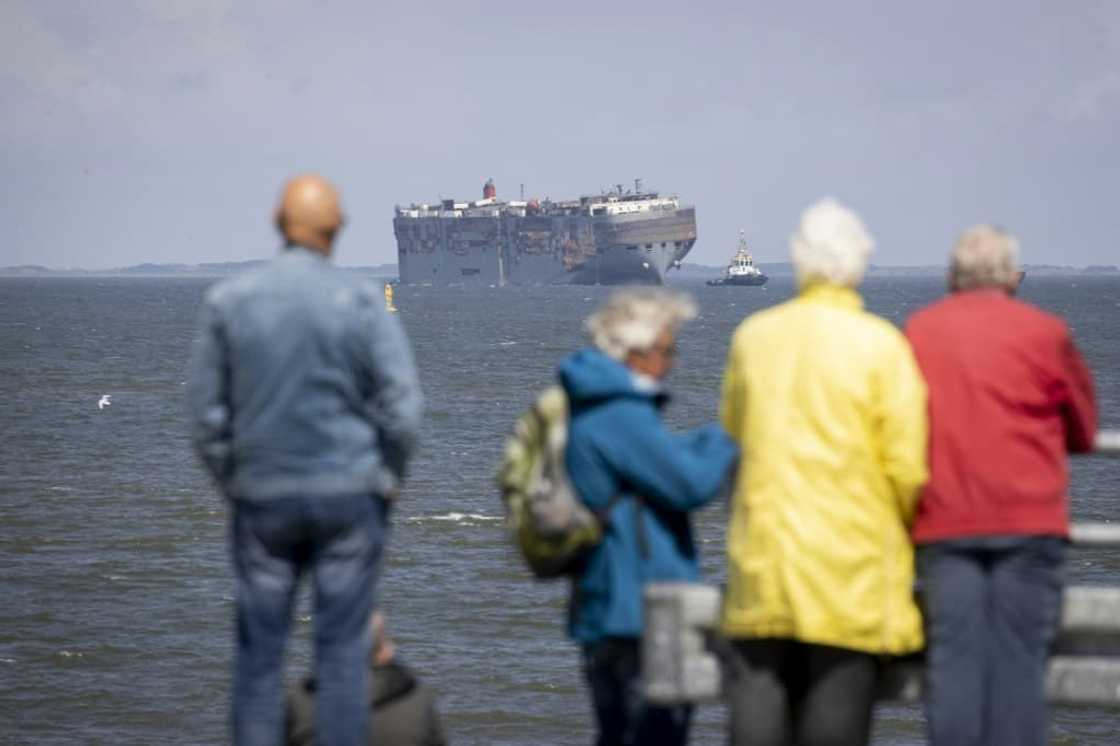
(678, 665)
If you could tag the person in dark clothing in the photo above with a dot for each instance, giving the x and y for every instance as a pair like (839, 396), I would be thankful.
(402, 709)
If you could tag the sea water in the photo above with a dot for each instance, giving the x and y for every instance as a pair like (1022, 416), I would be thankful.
(116, 621)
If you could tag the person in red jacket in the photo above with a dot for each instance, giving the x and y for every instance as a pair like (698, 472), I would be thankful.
(1009, 398)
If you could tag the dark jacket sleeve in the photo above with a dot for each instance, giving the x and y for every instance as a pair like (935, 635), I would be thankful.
(680, 472)
(1079, 408)
(299, 716)
(434, 735)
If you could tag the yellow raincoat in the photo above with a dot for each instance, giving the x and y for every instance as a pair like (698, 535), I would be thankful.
(829, 408)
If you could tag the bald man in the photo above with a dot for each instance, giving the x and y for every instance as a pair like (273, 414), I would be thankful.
(305, 409)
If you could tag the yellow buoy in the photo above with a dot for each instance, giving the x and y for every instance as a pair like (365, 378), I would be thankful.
(389, 298)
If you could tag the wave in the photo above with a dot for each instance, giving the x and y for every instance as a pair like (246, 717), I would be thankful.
(464, 519)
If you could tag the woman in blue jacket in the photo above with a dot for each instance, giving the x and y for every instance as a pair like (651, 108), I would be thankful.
(623, 460)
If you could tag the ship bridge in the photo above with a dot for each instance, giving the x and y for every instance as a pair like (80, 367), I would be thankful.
(629, 205)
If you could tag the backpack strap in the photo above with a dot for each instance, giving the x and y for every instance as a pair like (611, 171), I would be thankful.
(603, 514)
(538, 417)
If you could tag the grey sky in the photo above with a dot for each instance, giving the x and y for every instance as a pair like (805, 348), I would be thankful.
(161, 131)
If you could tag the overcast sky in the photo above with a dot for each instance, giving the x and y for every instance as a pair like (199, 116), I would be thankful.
(162, 130)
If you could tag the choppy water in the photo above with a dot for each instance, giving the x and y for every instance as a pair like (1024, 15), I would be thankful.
(116, 620)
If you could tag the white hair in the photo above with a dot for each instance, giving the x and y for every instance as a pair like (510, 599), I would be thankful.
(984, 257)
(632, 319)
(831, 245)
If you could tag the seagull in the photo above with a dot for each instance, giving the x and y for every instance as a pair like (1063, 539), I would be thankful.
(104, 401)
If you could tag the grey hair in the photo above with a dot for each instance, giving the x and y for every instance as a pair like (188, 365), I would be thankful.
(985, 257)
(831, 245)
(631, 320)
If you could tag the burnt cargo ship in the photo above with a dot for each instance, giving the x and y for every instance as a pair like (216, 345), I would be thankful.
(615, 238)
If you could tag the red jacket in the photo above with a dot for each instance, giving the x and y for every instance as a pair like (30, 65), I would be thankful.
(1009, 396)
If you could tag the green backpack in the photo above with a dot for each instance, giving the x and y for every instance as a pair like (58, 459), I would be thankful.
(552, 527)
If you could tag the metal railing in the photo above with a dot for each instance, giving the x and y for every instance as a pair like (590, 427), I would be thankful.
(680, 662)
(1108, 443)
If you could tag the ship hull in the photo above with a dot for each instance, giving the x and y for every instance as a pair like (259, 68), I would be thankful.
(544, 249)
(756, 281)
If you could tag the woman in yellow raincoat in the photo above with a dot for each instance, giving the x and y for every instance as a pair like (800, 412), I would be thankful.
(829, 409)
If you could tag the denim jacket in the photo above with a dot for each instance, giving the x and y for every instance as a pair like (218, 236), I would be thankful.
(302, 384)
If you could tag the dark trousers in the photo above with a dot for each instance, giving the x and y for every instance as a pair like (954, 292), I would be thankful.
(784, 692)
(613, 670)
(991, 610)
(338, 540)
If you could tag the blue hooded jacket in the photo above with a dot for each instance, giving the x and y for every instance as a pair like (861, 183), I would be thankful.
(618, 446)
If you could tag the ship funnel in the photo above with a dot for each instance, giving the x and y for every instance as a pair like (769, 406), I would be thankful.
(488, 190)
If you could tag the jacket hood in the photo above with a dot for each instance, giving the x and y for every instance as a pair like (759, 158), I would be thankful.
(589, 375)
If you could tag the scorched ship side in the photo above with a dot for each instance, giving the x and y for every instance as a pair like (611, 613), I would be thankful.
(610, 239)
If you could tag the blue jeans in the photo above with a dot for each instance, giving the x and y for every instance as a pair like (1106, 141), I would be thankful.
(613, 670)
(991, 607)
(339, 540)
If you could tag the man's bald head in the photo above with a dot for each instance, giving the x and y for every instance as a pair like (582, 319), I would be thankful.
(309, 213)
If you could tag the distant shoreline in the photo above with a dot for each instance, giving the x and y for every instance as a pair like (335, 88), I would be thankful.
(217, 269)
(389, 271)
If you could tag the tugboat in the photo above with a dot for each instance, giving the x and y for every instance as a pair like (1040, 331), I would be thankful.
(741, 271)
